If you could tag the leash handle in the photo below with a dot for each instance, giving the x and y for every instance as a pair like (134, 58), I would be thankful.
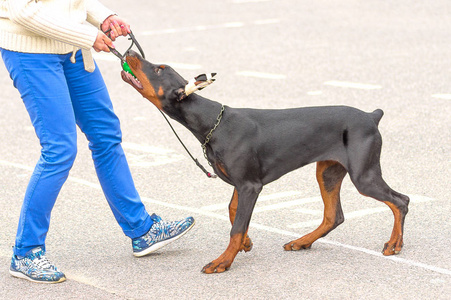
(134, 42)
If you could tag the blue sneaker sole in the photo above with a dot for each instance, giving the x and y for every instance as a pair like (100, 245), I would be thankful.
(22, 275)
(161, 244)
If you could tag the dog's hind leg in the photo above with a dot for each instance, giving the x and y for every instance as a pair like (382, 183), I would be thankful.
(247, 196)
(365, 172)
(330, 175)
(370, 183)
(247, 243)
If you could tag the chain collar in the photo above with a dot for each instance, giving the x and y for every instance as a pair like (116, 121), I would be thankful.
(210, 134)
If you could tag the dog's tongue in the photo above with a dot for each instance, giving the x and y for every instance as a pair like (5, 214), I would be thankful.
(127, 77)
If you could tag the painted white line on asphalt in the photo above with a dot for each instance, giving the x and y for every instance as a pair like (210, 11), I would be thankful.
(84, 182)
(359, 249)
(261, 199)
(286, 204)
(313, 212)
(278, 195)
(146, 148)
(70, 178)
(261, 75)
(157, 156)
(442, 96)
(94, 282)
(264, 227)
(15, 165)
(353, 85)
(391, 257)
(209, 27)
(359, 213)
(348, 216)
(186, 208)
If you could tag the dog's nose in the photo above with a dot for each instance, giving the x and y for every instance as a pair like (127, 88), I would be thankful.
(129, 53)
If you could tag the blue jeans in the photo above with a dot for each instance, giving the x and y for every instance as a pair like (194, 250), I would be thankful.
(59, 95)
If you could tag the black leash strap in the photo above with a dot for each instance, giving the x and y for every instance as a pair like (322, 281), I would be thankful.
(134, 42)
(209, 175)
(122, 58)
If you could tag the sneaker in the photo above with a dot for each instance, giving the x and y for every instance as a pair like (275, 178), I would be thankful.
(35, 267)
(160, 234)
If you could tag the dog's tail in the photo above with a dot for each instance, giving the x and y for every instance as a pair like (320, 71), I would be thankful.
(377, 115)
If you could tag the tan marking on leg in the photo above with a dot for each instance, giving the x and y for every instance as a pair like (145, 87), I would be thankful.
(332, 207)
(225, 260)
(394, 245)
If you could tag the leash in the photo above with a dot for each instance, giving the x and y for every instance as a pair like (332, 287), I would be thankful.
(204, 145)
(202, 82)
(124, 63)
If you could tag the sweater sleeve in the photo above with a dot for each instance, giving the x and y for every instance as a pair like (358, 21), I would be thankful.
(97, 12)
(28, 13)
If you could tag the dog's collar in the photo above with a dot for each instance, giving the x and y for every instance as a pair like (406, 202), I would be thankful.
(210, 134)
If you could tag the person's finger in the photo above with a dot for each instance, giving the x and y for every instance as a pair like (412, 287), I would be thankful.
(113, 32)
(107, 43)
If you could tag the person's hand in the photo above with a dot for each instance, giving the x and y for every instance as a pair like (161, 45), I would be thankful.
(116, 26)
(102, 42)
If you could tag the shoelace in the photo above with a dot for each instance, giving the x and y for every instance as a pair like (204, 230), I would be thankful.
(42, 262)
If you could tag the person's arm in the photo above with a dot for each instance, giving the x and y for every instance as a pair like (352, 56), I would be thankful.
(97, 12)
(29, 14)
(106, 19)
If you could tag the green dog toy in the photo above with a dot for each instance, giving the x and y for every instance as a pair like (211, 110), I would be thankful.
(126, 68)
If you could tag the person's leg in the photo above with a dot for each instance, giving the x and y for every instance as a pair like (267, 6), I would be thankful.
(42, 85)
(95, 117)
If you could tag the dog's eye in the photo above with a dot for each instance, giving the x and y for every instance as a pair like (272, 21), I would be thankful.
(159, 69)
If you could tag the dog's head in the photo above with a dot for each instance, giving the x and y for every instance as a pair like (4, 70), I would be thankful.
(161, 84)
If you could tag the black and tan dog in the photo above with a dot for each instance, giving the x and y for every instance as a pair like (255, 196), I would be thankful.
(253, 147)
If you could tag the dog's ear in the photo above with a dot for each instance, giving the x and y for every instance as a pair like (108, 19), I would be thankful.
(199, 82)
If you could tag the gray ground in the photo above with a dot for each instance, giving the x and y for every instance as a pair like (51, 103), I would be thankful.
(268, 54)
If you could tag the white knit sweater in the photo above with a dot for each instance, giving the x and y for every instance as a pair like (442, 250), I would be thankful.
(51, 26)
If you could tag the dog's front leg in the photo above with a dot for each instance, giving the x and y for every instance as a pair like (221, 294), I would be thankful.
(246, 196)
(225, 260)
(247, 242)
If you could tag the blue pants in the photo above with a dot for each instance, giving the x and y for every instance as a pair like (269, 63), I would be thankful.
(59, 95)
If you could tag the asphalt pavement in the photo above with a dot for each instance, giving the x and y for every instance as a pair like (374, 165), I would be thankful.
(392, 55)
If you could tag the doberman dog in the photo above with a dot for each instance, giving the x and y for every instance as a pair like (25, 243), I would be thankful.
(253, 147)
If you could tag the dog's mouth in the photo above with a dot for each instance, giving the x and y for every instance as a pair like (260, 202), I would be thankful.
(132, 80)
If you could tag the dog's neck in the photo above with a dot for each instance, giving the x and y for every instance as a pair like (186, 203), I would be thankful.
(196, 113)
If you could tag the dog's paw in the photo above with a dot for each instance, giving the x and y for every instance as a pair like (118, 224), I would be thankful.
(296, 245)
(216, 267)
(247, 245)
(392, 248)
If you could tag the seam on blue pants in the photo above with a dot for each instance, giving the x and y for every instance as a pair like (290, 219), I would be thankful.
(70, 96)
